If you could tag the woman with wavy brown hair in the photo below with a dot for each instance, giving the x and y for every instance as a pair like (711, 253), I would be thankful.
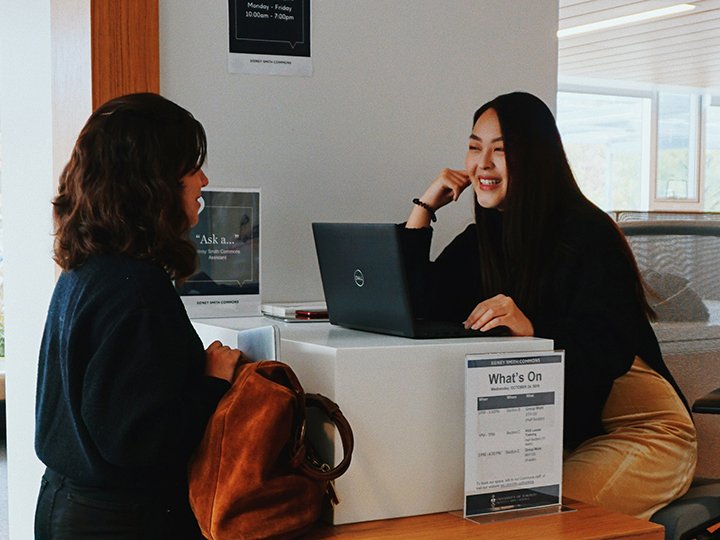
(125, 387)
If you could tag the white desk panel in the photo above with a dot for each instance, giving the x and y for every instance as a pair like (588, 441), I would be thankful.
(405, 401)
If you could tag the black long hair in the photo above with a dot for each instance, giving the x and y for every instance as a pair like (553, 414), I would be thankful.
(541, 189)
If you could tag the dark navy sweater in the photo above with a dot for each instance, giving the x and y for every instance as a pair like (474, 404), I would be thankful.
(121, 397)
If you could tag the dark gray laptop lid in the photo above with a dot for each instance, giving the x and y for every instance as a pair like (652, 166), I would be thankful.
(363, 276)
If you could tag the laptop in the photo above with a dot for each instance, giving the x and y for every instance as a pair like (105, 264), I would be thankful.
(365, 283)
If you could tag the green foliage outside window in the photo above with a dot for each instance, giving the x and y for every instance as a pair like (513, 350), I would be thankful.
(673, 176)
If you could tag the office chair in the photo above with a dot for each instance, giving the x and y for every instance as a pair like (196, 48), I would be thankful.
(679, 260)
(695, 515)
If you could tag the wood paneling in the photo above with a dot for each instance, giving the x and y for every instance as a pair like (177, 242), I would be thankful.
(125, 48)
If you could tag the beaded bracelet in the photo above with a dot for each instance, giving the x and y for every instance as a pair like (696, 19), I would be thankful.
(427, 207)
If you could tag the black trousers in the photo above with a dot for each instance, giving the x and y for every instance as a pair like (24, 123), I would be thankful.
(68, 511)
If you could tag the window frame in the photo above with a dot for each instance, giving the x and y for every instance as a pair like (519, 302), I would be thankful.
(700, 100)
(708, 100)
(648, 165)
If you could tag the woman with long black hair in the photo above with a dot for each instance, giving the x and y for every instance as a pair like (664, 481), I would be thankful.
(543, 261)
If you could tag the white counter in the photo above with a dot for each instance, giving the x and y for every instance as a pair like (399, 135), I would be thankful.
(404, 399)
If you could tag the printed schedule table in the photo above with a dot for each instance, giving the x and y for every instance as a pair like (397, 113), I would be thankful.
(513, 430)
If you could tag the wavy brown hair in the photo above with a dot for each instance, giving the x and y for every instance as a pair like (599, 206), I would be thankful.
(121, 190)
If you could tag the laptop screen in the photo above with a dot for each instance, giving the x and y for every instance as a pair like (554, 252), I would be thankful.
(363, 276)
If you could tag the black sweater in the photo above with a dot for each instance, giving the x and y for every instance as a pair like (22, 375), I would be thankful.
(121, 398)
(588, 306)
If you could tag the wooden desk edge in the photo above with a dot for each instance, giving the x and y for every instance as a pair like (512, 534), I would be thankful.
(586, 522)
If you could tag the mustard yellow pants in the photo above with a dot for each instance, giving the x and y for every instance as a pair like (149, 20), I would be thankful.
(648, 456)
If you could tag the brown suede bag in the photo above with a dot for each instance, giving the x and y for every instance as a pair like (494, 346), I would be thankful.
(255, 474)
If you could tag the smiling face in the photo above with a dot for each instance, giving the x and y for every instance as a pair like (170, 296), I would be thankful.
(192, 183)
(485, 161)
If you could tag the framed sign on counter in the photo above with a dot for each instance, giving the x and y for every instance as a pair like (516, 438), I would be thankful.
(227, 239)
(513, 432)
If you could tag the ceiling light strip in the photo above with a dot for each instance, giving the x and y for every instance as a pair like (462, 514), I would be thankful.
(627, 19)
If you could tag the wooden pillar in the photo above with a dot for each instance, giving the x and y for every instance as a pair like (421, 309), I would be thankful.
(125, 48)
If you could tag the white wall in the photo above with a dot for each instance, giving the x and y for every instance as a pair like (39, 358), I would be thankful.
(42, 108)
(389, 104)
(25, 118)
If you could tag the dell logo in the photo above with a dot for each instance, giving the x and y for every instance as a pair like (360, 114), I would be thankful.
(359, 278)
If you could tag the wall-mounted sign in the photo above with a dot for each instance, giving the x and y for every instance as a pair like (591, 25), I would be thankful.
(227, 239)
(513, 432)
(270, 37)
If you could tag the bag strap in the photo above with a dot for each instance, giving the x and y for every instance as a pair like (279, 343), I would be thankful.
(334, 413)
(300, 456)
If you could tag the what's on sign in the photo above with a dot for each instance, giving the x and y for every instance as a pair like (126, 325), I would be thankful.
(513, 432)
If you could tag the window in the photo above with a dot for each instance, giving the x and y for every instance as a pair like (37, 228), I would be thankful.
(604, 137)
(643, 149)
(675, 174)
(2, 281)
(711, 151)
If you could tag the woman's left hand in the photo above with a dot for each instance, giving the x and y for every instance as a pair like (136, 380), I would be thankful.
(222, 361)
(500, 310)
